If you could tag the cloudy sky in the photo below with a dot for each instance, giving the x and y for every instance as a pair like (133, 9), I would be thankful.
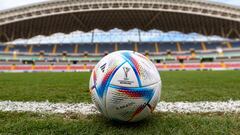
(5, 4)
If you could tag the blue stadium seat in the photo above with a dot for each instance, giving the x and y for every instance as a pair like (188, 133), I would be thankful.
(164, 46)
(2, 47)
(187, 46)
(106, 47)
(69, 48)
(235, 44)
(126, 46)
(90, 48)
(43, 47)
(19, 48)
(215, 45)
(143, 47)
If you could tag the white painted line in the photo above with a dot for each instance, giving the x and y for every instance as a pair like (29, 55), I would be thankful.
(88, 109)
(199, 107)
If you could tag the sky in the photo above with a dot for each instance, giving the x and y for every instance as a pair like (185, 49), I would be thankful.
(231, 2)
(156, 35)
(6, 4)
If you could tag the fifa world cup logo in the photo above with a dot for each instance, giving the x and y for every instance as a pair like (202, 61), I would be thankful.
(126, 71)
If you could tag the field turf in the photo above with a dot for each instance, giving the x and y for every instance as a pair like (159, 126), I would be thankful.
(73, 87)
(165, 124)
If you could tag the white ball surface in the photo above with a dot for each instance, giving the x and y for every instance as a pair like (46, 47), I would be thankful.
(125, 86)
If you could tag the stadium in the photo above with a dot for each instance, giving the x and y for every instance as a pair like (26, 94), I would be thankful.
(48, 50)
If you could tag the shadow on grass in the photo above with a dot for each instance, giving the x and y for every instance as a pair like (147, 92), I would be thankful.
(125, 125)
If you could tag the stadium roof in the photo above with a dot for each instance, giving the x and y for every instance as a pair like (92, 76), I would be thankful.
(66, 16)
(117, 36)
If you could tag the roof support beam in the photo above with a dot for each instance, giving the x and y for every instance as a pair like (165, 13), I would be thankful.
(78, 20)
(237, 32)
(6, 36)
(229, 32)
(152, 20)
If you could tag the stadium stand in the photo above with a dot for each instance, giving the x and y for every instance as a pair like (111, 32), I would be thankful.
(215, 45)
(146, 47)
(235, 44)
(86, 48)
(2, 47)
(47, 48)
(167, 46)
(110, 47)
(19, 48)
(126, 46)
(15, 23)
(170, 55)
(68, 48)
(187, 46)
(143, 47)
(106, 47)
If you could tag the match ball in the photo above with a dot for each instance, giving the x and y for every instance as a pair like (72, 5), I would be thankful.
(125, 86)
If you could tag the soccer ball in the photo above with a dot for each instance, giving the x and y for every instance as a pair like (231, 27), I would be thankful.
(125, 86)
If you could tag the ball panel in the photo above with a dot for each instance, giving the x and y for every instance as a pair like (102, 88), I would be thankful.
(141, 115)
(131, 104)
(98, 102)
(148, 72)
(156, 96)
(121, 106)
(125, 77)
(104, 71)
(145, 70)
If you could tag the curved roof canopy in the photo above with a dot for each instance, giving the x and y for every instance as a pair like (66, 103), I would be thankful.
(66, 16)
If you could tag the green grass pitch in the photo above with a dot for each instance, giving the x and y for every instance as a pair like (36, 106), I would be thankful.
(73, 88)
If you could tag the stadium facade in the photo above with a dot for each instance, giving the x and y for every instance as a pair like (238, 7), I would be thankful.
(69, 15)
(66, 16)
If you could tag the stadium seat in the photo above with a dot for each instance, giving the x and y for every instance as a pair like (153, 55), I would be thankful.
(146, 47)
(187, 46)
(69, 48)
(90, 48)
(165, 46)
(2, 47)
(47, 48)
(215, 45)
(235, 44)
(19, 48)
(126, 46)
(106, 47)
(103, 48)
